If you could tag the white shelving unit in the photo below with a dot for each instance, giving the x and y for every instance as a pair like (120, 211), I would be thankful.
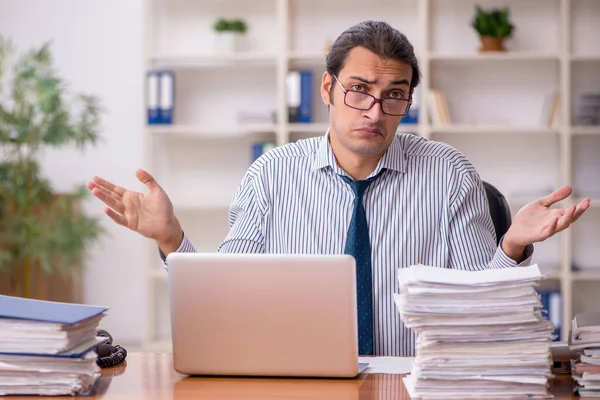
(496, 101)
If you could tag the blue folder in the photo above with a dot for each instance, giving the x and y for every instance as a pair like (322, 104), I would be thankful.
(46, 311)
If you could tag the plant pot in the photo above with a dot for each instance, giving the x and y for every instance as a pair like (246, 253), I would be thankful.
(227, 42)
(490, 43)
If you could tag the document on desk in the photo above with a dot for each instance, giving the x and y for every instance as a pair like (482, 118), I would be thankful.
(479, 333)
(47, 348)
(387, 365)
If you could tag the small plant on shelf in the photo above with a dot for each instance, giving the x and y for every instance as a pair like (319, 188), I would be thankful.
(233, 25)
(229, 33)
(493, 27)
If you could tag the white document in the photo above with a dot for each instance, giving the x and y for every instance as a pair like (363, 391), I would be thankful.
(480, 334)
(387, 365)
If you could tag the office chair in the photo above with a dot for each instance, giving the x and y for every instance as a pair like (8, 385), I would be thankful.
(499, 210)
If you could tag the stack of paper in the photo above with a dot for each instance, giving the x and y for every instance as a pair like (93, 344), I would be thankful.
(480, 333)
(46, 348)
(585, 338)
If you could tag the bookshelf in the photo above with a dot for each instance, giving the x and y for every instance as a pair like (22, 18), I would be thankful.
(498, 103)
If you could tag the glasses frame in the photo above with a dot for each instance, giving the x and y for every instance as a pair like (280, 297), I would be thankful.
(373, 102)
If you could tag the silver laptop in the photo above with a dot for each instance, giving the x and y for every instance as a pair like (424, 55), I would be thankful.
(264, 315)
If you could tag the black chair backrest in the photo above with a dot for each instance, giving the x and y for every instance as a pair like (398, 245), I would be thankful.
(499, 210)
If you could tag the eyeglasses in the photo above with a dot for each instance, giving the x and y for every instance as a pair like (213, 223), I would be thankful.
(364, 101)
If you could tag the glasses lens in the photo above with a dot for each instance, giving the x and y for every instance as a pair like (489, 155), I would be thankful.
(358, 100)
(395, 107)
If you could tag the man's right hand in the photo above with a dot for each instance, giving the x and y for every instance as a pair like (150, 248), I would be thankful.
(151, 215)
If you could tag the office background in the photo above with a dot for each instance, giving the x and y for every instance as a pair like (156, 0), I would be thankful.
(528, 117)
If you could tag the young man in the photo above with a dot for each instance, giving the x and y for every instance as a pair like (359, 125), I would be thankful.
(389, 200)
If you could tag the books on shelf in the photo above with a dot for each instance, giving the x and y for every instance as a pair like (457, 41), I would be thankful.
(437, 104)
(47, 348)
(480, 333)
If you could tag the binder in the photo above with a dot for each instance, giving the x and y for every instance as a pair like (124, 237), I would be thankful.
(166, 97)
(306, 101)
(292, 83)
(152, 97)
(49, 347)
(47, 311)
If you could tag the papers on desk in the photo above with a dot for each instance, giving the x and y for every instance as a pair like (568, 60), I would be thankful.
(585, 338)
(46, 348)
(480, 333)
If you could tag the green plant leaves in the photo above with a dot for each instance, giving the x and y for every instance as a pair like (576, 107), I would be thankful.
(39, 227)
(232, 25)
(494, 22)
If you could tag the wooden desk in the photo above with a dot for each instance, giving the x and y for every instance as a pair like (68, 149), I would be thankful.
(151, 376)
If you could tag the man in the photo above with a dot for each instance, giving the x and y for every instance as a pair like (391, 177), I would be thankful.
(389, 200)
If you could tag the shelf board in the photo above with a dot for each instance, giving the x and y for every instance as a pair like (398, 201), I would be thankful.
(582, 276)
(495, 56)
(307, 57)
(202, 206)
(212, 132)
(492, 129)
(314, 127)
(321, 128)
(585, 57)
(213, 60)
(586, 130)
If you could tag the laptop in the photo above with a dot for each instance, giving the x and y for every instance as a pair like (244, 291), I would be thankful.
(269, 315)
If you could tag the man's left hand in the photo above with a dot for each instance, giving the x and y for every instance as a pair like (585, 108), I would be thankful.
(536, 222)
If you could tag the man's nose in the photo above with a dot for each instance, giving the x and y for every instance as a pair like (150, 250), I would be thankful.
(375, 113)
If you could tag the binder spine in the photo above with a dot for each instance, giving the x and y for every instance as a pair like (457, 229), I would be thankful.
(152, 93)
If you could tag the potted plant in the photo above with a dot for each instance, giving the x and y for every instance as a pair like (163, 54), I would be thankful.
(43, 234)
(493, 27)
(229, 32)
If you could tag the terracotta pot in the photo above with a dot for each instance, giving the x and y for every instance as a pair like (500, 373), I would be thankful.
(489, 43)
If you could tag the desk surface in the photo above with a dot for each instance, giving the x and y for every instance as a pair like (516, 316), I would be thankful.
(151, 376)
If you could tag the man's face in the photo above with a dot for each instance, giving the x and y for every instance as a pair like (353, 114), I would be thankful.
(365, 133)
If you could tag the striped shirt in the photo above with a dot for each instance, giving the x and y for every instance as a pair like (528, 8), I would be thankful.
(429, 206)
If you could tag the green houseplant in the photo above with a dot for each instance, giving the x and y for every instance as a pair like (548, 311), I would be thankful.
(493, 26)
(229, 33)
(42, 233)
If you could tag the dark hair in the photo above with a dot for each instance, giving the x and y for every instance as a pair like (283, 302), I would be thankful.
(378, 37)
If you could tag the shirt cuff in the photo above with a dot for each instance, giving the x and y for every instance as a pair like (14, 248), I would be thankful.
(185, 246)
(505, 261)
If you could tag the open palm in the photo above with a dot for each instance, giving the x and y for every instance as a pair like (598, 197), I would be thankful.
(537, 221)
(151, 215)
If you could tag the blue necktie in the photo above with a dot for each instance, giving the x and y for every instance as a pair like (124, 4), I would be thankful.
(358, 245)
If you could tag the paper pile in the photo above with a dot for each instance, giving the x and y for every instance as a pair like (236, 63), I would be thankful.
(585, 339)
(480, 333)
(46, 348)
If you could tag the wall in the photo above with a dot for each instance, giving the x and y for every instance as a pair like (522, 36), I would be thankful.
(97, 48)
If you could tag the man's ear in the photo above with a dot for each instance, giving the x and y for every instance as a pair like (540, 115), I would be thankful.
(325, 88)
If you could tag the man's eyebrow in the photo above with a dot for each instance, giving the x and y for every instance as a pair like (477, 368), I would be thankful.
(372, 82)
(401, 82)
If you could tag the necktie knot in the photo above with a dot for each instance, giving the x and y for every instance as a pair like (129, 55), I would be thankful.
(359, 187)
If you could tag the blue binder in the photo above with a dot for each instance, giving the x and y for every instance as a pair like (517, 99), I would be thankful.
(46, 311)
(166, 97)
(152, 94)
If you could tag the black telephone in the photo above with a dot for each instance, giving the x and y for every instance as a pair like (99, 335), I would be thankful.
(109, 355)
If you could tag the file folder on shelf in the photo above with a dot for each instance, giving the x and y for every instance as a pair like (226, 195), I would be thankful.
(160, 93)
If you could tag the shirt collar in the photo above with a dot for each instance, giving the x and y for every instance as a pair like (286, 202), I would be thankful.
(393, 159)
